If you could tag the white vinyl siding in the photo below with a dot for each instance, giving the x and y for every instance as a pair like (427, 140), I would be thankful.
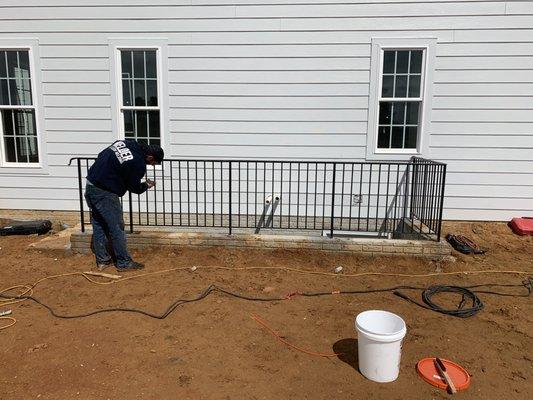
(287, 79)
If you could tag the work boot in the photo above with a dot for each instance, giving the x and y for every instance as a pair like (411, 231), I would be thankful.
(101, 265)
(131, 266)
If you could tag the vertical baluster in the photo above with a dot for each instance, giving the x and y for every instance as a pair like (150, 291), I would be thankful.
(351, 200)
(298, 200)
(213, 193)
(247, 194)
(369, 197)
(196, 223)
(316, 191)
(239, 194)
(155, 196)
(80, 192)
(221, 194)
(273, 197)
(188, 196)
(306, 192)
(387, 200)
(360, 197)
(324, 198)
(377, 199)
(229, 197)
(171, 192)
(255, 196)
(333, 200)
(342, 196)
(205, 194)
(179, 190)
(281, 197)
(130, 211)
(163, 189)
(290, 192)
(441, 205)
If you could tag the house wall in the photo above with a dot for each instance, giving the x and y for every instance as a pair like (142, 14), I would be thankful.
(286, 80)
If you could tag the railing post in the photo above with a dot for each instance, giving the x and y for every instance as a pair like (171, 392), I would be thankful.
(414, 188)
(333, 200)
(80, 191)
(131, 211)
(407, 174)
(443, 185)
(230, 198)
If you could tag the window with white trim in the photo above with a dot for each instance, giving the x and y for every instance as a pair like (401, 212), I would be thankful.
(18, 129)
(400, 99)
(140, 101)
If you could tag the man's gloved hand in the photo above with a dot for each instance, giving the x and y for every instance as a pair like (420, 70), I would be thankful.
(150, 183)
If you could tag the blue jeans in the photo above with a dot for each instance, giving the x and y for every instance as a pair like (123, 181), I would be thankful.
(108, 224)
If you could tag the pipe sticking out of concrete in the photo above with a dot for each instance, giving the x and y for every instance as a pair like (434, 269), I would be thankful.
(268, 199)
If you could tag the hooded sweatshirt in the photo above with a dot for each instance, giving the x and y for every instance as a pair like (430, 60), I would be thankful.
(120, 168)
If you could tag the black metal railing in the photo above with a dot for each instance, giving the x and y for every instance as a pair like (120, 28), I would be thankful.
(392, 199)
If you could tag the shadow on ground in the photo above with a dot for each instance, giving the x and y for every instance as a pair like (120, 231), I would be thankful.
(347, 352)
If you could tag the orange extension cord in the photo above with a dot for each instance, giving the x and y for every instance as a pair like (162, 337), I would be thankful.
(261, 322)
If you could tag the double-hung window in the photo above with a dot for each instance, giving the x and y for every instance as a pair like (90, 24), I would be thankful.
(140, 110)
(18, 129)
(400, 97)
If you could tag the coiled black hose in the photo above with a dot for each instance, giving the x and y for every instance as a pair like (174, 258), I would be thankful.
(467, 294)
(460, 311)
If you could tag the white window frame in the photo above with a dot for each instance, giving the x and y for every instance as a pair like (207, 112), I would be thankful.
(379, 46)
(160, 46)
(31, 46)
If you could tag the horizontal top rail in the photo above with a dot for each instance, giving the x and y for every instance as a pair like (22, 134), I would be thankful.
(277, 161)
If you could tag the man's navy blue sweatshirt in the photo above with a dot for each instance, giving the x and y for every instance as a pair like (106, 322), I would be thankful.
(119, 168)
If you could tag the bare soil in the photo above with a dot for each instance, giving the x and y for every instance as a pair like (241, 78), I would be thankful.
(213, 349)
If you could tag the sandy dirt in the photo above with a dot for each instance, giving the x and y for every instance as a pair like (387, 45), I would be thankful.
(213, 349)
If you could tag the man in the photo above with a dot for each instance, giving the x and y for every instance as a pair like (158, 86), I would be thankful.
(118, 168)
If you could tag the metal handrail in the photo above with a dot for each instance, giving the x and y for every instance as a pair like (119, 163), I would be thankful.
(395, 199)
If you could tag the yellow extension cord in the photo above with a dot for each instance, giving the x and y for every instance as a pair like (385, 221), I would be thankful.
(27, 290)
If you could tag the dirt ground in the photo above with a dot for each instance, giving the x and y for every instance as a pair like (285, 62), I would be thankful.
(213, 349)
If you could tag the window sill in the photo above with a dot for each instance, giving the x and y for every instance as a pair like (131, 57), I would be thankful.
(403, 156)
(23, 170)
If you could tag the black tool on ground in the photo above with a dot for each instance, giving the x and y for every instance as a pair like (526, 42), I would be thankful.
(39, 227)
(464, 245)
(527, 284)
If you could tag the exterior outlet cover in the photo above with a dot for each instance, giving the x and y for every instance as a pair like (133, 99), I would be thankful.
(357, 199)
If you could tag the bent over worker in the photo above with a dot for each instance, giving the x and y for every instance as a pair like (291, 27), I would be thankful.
(118, 168)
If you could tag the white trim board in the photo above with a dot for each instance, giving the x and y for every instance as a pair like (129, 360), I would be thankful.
(378, 45)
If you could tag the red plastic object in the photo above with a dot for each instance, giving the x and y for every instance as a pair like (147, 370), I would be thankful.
(522, 226)
(427, 371)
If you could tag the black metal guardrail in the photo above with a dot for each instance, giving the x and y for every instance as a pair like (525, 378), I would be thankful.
(392, 199)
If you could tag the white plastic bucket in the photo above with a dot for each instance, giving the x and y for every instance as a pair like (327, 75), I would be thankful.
(379, 337)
